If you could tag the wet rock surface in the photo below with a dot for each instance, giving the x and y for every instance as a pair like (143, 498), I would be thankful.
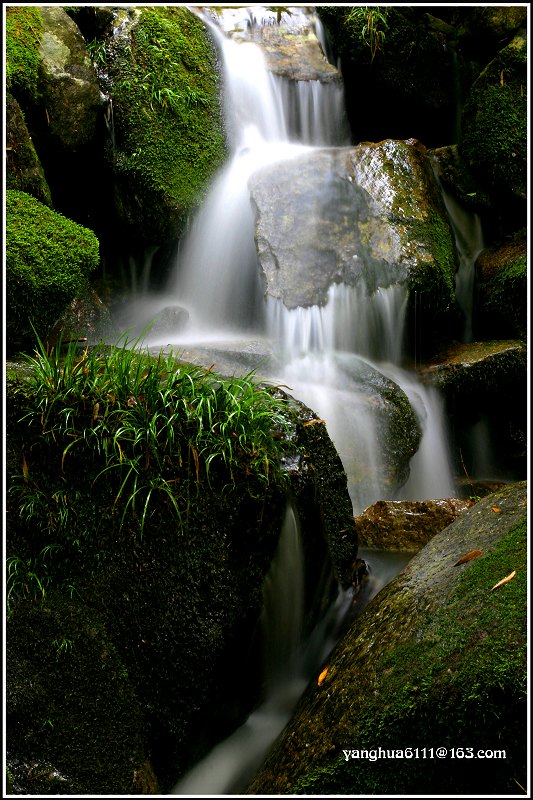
(366, 214)
(406, 525)
(438, 657)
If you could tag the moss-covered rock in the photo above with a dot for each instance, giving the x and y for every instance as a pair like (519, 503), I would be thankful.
(180, 597)
(398, 62)
(23, 167)
(494, 124)
(477, 381)
(400, 181)
(68, 82)
(64, 739)
(48, 262)
(437, 660)
(23, 35)
(168, 135)
(482, 31)
(501, 290)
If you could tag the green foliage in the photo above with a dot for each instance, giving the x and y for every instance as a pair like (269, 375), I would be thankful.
(26, 577)
(168, 123)
(48, 262)
(62, 646)
(494, 124)
(97, 52)
(148, 425)
(23, 28)
(370, 24)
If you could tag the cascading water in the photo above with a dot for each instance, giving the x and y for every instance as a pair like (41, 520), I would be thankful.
(323, 351)
(468, 232)
(233, 761)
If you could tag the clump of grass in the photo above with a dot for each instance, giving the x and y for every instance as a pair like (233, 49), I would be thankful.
(371, 23)
(149, 424)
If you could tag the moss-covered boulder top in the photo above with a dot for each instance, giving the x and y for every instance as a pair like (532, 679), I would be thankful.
(48, 262)
(23, 29)
(489, 367)
(160, 70)
(438, 659)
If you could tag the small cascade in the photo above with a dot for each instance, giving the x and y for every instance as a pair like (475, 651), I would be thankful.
(431, 471)
(283, 608)
(228, 767)
(468, 233)
(315, 112)
(355, 320)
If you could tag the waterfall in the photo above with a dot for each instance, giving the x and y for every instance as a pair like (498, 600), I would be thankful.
(217, 279)
(468, 233)
(232, 762)
(269, 119)
(325, 353)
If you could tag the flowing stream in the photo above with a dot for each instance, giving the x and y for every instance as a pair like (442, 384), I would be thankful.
(321, 350)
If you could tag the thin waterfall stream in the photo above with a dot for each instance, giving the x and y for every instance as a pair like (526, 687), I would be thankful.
(321, 352)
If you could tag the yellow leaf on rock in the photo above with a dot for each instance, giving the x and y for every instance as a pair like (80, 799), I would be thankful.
(468, 557)
(495, 509)
(322, 675)
(504, 580)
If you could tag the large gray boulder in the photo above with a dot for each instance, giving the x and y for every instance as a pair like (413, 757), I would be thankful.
(371, 214)
(437, 660)
(69, 84)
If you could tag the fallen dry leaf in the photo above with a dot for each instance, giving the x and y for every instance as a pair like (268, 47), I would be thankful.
(504, 580)
(495, 509)
(25, 471)
(322, 675)
(468, 557)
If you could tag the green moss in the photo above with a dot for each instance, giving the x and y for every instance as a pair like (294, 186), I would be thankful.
(431, 290)
(48, 262)
(506, 297)
(442, 248)
(461, 683)
(494, 124)
(63, 738)
(23, 35)
(169, 137)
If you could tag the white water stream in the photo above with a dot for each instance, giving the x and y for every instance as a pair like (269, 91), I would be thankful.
(322, 349)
